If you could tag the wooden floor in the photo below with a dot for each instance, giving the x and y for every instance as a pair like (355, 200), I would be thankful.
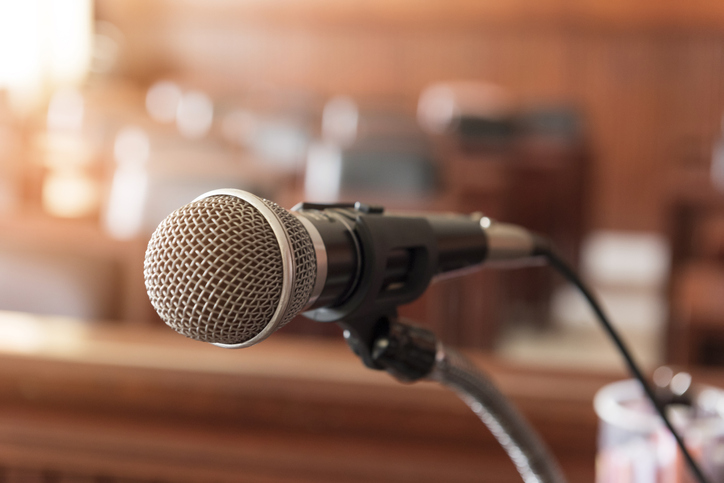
(94, 402)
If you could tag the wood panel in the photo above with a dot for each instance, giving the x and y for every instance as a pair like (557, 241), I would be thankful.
(616, 14)
(110, 403)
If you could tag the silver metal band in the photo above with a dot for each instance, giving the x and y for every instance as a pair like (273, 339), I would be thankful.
(321, 253)
(288, 265)
(507, 242)
(358, 249)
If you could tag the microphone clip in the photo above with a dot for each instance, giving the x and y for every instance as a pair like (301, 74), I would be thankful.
(357, 205)
(407, 352)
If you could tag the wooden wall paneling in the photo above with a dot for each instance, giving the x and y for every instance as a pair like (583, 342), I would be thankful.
(615, 59)
(378, 63)
(617, 14)
(534, 65)
(433, 56)
(651, 88)
(617, 89)
(693, 92)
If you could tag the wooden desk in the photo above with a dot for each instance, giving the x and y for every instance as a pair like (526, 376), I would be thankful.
(94, 402)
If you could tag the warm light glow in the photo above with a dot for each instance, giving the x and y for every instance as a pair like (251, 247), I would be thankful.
(324, 171)
(124, 218)
(43, 44)
(62, 152)
(28, 334)
(70, 32)
(69, 194)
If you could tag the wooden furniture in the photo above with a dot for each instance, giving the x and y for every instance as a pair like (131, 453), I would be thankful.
(119, 292)
(100, 402)
(536, 181)
(696, 231)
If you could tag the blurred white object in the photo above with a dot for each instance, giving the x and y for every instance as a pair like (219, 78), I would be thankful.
(324, 173)
(162, 101)
(194, 114)
(441, 105)
(635, 446)
(340, 119)
(277, 141)
(280, 143)
(22, 332)
(628, 271)
(125, 211)
(626, 258)
(629, 311)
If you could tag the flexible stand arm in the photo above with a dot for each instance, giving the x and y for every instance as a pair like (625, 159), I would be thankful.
(412, 353)
(525, 448)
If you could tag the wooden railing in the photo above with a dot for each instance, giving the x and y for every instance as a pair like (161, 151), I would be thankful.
(130, 403)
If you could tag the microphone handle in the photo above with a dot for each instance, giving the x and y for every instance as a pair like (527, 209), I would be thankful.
(460, 243)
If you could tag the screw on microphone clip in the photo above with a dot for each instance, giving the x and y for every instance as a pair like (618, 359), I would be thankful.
(357, 205)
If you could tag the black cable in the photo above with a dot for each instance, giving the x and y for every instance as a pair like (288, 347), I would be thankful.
(564, 269)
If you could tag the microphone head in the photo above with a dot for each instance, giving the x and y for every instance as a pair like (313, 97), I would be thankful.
(229, 268)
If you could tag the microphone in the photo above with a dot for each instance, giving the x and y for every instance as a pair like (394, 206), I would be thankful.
(230, 268)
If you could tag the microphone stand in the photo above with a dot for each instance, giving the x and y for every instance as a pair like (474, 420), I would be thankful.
(411, 353)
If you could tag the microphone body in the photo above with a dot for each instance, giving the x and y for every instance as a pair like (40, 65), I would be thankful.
(459, 241)
(230, 268)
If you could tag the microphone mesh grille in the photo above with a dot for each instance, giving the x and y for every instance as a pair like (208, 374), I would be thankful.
(304, 258)
(214, 271)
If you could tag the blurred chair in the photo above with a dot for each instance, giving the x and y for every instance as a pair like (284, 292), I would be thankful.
(394, 171)
(697, 333)
(374, 154)
(695, 216)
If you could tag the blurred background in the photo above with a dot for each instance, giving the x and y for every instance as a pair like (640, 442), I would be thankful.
(598, 124)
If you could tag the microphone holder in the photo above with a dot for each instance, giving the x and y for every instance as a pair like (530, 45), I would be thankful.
(411, 353)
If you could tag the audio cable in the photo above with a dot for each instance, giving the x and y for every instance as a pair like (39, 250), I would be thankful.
(556, 261)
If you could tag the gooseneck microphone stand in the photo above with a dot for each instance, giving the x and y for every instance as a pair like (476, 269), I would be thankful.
(411, 353)
(374, 333)
(529, 454)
